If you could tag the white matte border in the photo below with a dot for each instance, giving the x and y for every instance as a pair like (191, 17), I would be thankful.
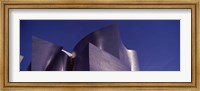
(184, 15)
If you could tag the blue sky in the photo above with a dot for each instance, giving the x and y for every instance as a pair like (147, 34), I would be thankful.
(157, 42)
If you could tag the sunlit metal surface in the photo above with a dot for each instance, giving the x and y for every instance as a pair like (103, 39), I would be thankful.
(21, 58)
(132, 56)
(69, 54)
(100, 60)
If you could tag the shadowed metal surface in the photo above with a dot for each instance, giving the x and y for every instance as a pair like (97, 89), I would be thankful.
(47, 56)
(59, 63)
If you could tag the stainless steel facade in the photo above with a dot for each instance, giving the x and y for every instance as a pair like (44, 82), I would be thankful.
(101, 50)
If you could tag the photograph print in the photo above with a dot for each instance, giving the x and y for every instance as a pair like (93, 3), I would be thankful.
(99, 45)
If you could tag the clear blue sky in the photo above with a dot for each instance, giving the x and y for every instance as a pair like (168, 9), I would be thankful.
(157, 42)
